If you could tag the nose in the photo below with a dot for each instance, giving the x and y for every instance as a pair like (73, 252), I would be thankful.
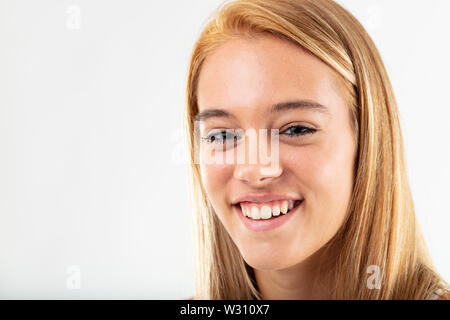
(255, 173)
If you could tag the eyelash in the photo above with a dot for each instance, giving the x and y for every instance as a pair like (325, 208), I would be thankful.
(209, 137)
(306, 131)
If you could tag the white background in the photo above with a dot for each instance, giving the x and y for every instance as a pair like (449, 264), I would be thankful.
(93, 188)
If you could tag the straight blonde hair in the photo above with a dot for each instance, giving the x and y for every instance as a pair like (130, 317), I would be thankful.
(380, 228)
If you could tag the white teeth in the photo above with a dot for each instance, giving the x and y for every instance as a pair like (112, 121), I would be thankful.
(284, 207)
(276, 210)
(267, 211)
(255, 213)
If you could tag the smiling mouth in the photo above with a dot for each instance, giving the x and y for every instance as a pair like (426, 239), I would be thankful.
(267, 213)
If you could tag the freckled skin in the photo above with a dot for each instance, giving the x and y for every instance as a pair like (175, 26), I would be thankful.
(246, 77)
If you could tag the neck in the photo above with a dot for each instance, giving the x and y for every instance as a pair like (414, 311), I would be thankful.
(303, 281)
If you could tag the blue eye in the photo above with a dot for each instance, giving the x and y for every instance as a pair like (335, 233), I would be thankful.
(219, 137)
(299, 131)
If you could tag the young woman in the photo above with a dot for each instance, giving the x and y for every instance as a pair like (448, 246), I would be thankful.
(333, 218)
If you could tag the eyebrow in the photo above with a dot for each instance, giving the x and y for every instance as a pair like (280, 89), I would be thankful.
(277, 108)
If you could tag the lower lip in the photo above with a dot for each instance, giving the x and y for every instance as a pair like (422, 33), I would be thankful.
(265, 224)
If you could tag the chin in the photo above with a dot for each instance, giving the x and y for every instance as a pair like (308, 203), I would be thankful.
(266, 260)
(261, 264)
(267, 256)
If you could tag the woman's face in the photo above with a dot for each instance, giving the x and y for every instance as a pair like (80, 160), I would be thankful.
(244, 78)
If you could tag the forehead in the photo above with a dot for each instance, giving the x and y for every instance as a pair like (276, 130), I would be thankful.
(257, 73)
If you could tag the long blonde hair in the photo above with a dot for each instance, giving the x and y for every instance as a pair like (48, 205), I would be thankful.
(380, 228)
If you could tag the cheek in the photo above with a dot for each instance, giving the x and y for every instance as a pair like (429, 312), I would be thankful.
(325, 170)
(214, 168)
(324, 175)
(214, 178)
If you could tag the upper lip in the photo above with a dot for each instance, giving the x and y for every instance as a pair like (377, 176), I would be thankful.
(263, 197)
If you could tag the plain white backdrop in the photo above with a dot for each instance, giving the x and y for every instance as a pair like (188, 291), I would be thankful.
(93, 191)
